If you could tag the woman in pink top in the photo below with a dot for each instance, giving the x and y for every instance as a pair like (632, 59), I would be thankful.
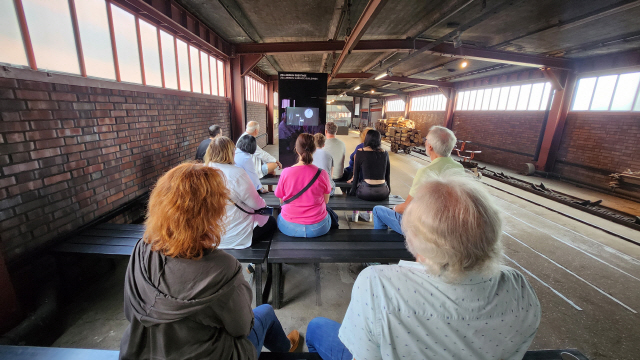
(307, 215)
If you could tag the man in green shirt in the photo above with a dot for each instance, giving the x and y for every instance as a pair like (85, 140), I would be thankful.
(439, 144)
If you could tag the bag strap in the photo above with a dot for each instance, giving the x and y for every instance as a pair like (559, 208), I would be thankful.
(243, 210)
(315, 177)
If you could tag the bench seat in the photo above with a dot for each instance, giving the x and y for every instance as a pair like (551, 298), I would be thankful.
(118, 240)
(272, 180)
(343, 202)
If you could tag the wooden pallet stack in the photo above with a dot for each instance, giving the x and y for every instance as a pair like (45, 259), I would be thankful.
(400, 132)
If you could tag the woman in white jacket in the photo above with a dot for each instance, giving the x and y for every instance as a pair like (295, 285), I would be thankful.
(244, 228)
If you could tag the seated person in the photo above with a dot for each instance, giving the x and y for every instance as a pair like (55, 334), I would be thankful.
(214, 131)
(307, 215)
(245, 148)
(263, 162)
(348, 171)
(455, 302)
(323, 159)
(439, 143)
(185, 298)
(336, 148)
(373, 162)
(243, 227)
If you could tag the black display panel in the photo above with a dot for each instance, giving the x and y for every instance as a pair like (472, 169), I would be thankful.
(299, 95)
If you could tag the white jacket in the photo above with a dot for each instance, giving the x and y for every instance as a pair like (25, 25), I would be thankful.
(240, 225)
(260, 157)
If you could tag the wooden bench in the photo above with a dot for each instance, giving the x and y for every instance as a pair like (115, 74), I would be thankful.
(338, 246)
(119, 240)
(270, 180)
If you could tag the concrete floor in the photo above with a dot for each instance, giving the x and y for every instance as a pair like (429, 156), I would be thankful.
(588, 281)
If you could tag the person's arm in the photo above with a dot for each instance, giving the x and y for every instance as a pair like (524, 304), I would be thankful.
(244, 188)
(402, 207)
(326, 198)
(236, 314)
(264, 156)
(247, 164)
(387, 174)
(356, 169)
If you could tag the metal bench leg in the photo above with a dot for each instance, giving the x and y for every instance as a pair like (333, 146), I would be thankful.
(318, 294)
(267, 284)
(258, 283)
(370, 216)
(356, 214)
(277, 285)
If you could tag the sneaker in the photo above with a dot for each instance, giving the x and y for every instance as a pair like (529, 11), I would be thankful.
(251, 269)
(364, 216)
(294, 338)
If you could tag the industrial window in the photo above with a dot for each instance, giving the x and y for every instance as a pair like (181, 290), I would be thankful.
(98, 38)
(254, 90)
(532, 97)
(608, 93)
(429, 103)
(395, 105)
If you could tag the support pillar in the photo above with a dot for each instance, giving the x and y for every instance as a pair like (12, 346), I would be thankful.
(555, 123)
(449, 109)
(238, 113)
(270, 106)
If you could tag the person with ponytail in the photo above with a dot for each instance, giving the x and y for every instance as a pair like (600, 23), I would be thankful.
(304, 192)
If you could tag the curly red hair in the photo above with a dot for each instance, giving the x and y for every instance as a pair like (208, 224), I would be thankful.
(185, 211)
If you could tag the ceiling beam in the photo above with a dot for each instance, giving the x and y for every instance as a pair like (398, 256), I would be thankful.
(248, 62)
(370, 12)
(399, 79)
(368, 89)
(236, 12)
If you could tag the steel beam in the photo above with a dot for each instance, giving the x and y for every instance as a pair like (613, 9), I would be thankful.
(370, 12)
(399, 79)
(237, 99)
(235, 11)
(248, 62)
(555, 124)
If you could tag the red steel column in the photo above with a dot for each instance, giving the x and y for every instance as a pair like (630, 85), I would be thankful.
(270, 119)
(237, 99)
(555, 124)
(448, 117)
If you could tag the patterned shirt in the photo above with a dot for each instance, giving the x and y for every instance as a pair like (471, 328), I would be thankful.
(403, 312)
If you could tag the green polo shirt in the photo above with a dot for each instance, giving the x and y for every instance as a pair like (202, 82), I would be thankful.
(437, 167)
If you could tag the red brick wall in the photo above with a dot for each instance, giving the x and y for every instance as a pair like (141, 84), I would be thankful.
(426, 119)
(72, 153)
(391, 114)
(258, 112)
(596, 144)
(506, 139)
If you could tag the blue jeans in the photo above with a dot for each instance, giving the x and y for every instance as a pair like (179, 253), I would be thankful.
(322, 338)
(305, 231)
(267, 331)
(384, 218)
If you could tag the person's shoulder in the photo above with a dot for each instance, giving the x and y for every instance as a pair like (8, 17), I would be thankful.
(511, 278)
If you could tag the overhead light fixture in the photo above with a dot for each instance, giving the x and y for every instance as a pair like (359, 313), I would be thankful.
(356, 88)
(372, 91)
(381, 76)
(464, 64)
(457, 41)
(389, 72)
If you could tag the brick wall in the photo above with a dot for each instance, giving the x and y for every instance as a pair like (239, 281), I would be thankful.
(72, 153)
(258, 112)
(391, 114)
(596, 144)
(506, 139)
(426, 119)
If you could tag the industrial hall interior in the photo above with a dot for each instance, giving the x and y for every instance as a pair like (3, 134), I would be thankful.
(320, 179)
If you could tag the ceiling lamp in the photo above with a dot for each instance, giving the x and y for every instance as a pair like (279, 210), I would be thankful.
(356, 88)
(372, 91)
(464, 64)
(381, 76)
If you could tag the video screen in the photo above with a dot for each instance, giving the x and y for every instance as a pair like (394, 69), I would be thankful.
(303, 116)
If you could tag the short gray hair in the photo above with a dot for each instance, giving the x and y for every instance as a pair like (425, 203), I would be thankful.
(455, 226)
(442, 140)
(252, 126)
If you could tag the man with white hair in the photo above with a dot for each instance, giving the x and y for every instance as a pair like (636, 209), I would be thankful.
(263, 162)
(456, 302)
(439, 144)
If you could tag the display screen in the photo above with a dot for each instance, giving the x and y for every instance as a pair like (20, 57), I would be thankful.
(303, 116)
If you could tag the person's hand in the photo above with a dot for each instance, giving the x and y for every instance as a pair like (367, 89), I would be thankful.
(350, 181)
(279, 165)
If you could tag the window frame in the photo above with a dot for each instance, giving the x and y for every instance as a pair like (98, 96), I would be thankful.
(635, 100)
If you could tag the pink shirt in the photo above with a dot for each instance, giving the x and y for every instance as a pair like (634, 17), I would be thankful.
(310, 207)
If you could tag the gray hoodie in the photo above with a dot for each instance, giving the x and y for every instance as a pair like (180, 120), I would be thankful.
(186, 309)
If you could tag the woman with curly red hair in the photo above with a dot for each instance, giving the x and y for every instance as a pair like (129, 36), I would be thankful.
(184, 298)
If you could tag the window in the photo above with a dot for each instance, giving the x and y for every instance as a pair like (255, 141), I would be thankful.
(395, 105)
(13, 51)
(429, 103)
(116, 44)
(608, 93)
(531, 97)
(96, 38)
(168, 46)
(254, 90)
(150, 53)
(52, 37)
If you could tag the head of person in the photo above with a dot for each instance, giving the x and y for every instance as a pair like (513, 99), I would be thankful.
(220, 150)
(440, 141)
(248, 144)
(363, 134)
(214, 130)
(373, 140)
(453, 228)
(305, 147)
(253, 128)
(331, 129)
(186, 210)
(319, 140)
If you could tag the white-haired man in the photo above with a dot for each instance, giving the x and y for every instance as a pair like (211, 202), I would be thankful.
(263, 162)
(439, 144)
(455, 302)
